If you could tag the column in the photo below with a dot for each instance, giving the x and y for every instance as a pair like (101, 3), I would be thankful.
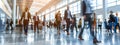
(105, 10)
(18, 14)
(14, 13)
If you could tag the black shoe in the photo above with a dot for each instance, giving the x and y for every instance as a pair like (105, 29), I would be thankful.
(96, 41)
(68, 33)
(81, 38)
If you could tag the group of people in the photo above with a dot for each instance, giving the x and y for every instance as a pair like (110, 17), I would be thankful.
(26, 18)
(112, 23)
(69, 21)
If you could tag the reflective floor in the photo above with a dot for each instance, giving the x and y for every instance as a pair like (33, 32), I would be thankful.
(49, 36)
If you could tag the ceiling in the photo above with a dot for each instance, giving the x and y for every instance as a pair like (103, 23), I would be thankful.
(35, 5)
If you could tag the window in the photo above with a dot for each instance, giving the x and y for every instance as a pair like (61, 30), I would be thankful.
(99, 7)
(70, 1)
(111, 1)
(118, 2)
(99, 2)
(111, 4)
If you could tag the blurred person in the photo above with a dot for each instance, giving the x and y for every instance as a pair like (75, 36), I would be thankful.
(26, 16)
(116, 22)
(11, 25)
(106, 25)
(87, 12)
(94, 22)
(112, 21)
(58, 21)
(74, 24)
(67, 17)
(99, 24)
(7, 24)
(36, 22)
(63, 24)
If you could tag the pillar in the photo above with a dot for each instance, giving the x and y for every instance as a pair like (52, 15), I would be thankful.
(14, 13)
(105, 10)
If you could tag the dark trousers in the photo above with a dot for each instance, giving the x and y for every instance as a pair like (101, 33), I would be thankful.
(7, 27)
(72, 27)
(68, 24)
(100, 27)
(88, 18)
(35, 25)
(26, 26)
(117, 25)
(58, 25)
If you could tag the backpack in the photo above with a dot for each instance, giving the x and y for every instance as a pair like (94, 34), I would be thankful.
(112, 18)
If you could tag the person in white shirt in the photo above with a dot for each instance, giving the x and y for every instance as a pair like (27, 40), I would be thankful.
(26, 17)
(36, 22)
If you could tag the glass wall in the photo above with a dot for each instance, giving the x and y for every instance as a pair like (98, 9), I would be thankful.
(2, 20)
(75, 7)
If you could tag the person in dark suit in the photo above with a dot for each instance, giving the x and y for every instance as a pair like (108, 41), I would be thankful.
(87, 12)
(74, 23)
(67, 17)
(36, 22)
(26, 16)
(11, 25)
(7, 24)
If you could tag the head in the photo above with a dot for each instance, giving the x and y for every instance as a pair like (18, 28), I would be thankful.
(74, 15)
(36, 13)
(105, 19)
(58, 11)
(26, 9)
(111, 12)
(67, 7)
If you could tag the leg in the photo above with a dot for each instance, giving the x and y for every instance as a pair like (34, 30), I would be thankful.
(68, 24)
(76, 27)
(81, 32)
(72, 27)
(115, 26)
(34, 27)
(11, 28)
(110, 27)
(26, 27)
(37, 27)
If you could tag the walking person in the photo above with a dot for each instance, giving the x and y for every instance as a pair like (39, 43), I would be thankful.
(36, 22)
(112, 22)
(67, 17)
(99, 24)
(58, 21)
(87, 12)
(11, 25)
(94, 23)
(74, 23)
(116, 22)
(26, 17)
